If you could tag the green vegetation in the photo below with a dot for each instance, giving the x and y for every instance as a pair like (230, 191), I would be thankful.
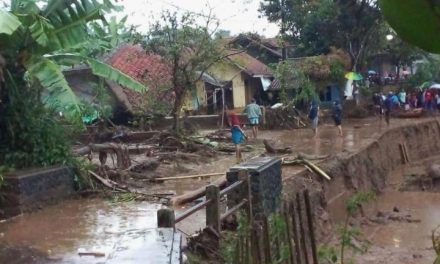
(418, 28)
(35, 40)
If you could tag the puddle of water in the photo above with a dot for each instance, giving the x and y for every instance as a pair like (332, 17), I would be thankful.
(78, 225)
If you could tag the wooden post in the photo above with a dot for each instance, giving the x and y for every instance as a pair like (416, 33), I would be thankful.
(289, 233)
(247, 193)
(255, 247)
(266, 241)
(213, 208)
(310, 224)
(301, 229)
(295, 232)
(165, 218)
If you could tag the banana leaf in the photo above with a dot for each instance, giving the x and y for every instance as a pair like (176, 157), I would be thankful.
(100, 69)
(50, 76)
(8, 23)
(69, 20)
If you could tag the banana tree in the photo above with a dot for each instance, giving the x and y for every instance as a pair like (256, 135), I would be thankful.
(36, 36)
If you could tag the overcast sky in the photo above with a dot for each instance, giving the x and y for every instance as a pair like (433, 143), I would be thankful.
(234, 15)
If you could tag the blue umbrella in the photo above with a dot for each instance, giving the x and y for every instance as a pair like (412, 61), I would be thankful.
(372, 72)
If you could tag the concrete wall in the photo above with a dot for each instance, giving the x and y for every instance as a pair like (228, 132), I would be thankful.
(25, 191)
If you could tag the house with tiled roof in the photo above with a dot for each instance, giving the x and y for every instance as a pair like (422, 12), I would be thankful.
(243, 77)
(149, 69)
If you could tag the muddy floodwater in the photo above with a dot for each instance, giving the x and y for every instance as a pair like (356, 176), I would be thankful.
(58, 233)
(79, 225)
(405, 239)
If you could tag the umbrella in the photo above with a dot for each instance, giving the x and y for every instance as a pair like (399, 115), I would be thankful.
(425, 85)
(435, 86)
(372, 72)
(353, 76)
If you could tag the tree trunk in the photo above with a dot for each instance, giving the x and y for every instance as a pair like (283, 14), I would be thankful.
(176, 111)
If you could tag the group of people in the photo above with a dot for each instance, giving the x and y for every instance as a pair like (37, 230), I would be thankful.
(254, 113)
(336, 115)
(428, 99)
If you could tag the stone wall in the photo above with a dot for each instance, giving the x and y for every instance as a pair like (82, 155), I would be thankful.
(266, 185)
(24, 191)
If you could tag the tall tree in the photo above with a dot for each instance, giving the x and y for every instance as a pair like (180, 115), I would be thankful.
(188, 47)
(316, 25)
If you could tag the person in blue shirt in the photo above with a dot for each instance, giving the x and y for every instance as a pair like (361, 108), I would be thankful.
(337, 116)
(253, 112)
(313, 116)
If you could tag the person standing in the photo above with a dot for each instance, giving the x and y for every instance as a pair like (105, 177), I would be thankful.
(313, 116)
(388, 107)
(253, 112)
(237, 134)
(337, 116)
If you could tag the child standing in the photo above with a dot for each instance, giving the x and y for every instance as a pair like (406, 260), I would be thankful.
(237, 133)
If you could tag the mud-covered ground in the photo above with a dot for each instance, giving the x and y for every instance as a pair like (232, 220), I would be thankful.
(58, 232)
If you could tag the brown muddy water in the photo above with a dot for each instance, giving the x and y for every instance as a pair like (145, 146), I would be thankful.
(79, 225)
(61, 231)
(406, 239)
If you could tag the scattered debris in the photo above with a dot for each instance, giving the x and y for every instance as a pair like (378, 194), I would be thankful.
(273, 149)
(285, 117)
(394, 216)
(205, 244)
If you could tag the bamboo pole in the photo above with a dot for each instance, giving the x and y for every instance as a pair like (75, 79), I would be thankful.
(316, 169)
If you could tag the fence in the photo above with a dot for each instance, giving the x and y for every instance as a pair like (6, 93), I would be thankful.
(286, 237)
(167, 218)
(265, 240)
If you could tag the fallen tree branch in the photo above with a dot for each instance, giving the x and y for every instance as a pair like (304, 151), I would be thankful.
(189, 176)
(193, 195)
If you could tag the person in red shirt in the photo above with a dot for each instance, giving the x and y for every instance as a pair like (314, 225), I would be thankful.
(237, 133)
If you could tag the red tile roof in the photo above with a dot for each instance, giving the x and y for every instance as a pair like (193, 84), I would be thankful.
(149, 69)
